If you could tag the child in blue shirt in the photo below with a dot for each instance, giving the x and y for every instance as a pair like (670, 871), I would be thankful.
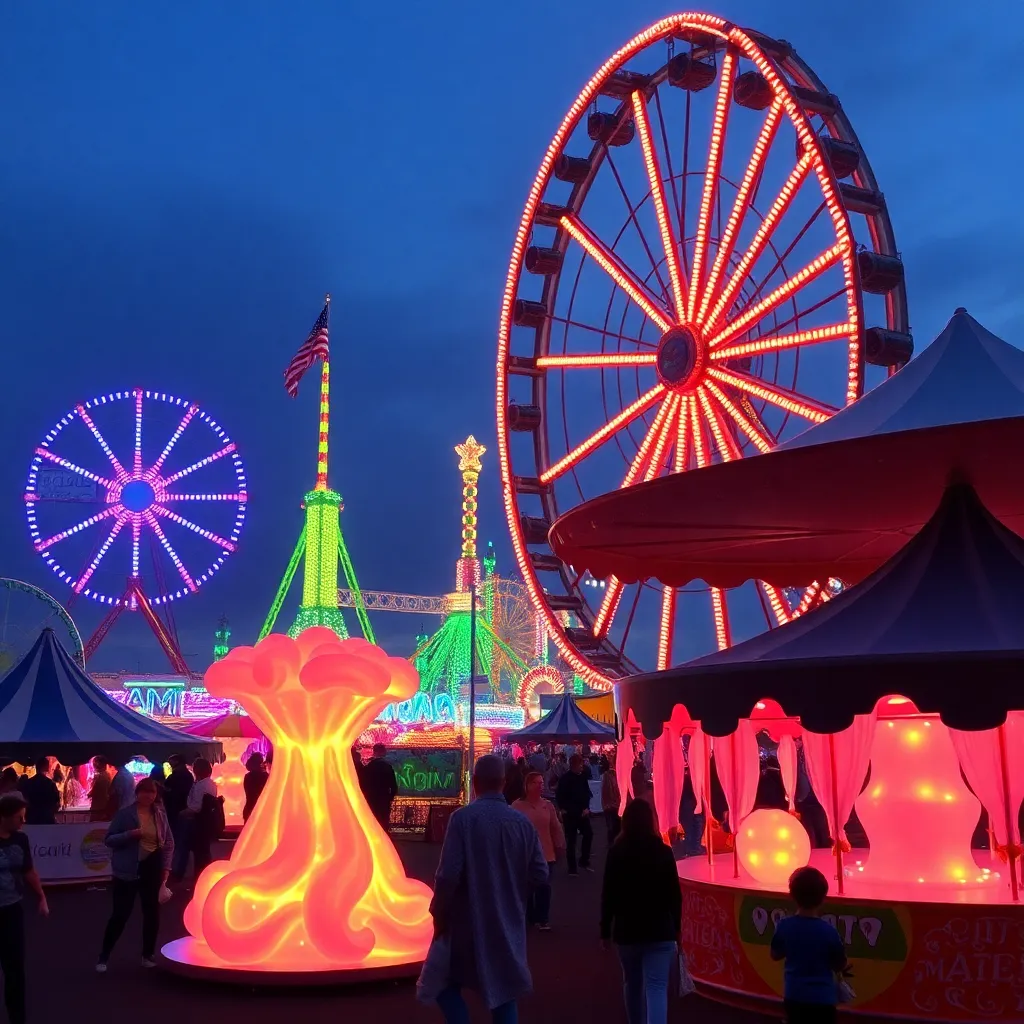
(812, 950)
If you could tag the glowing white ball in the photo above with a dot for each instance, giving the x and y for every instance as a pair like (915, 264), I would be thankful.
(771, 845)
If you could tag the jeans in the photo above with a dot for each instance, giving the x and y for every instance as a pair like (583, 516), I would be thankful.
(577, 824)
(182, 833)
(147, 888)
(809, 1013)
(455, 1011)
(645, 974)
(614, 825)
(12, 960)
(538, 901)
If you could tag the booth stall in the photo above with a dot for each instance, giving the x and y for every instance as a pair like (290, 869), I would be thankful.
(50, 707)
(566, 723)
(899, 696)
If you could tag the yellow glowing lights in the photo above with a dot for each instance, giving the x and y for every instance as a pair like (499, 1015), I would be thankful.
(470, 453)
(771, 845)
(313, 883)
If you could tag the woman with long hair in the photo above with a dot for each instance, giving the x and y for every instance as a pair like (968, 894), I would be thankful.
(641, 912)
(141, 847)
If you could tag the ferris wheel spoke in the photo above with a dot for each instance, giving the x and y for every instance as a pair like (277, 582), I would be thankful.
(700, 450)
(616, 270)
(720, 433)
(758, 433)
(807, 601)
(723, 104)
(666, 631)
(741, 205)
(761, 238)
(178, 431)
(665, 226)
(119, 470)
(73, 468)
(155, 526)
(609, 606)
(651, 438)
(681, 457)
(777, 603)
(209, 535)
(136, 537)
(79, 585)
(723, 631)
(753, 314)
(226, 450)
(778, 343)
(790, 401)
(137, 454)
(630, 413)
(603, 331)
(602, 360)
(110, 510)
(241, 496)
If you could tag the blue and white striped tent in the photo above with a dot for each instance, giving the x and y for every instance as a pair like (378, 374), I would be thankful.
(48, 705)
(565, 723)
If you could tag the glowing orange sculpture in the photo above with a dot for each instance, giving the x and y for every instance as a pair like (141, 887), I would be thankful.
(314, 883)
(916, 790)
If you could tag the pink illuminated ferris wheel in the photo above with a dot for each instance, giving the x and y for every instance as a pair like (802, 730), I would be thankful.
(135, 499)
(705, 266)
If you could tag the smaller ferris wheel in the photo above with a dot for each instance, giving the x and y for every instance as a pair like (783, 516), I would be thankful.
(135, 499)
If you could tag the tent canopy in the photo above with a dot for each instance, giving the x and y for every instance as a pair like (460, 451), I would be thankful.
(48, 705)
(942, 624)
(839, 499)
(564, 724)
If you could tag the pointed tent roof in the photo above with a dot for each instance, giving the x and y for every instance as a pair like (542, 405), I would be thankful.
(839, 499)
(564, 724)
(946, 611)
(965, 375)
(48, 705)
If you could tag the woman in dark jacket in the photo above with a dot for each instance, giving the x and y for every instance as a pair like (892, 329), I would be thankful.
(141, 847)
(641, 912)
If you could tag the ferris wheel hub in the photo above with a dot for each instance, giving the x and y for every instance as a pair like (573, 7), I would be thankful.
(137, 495)
(681, 358)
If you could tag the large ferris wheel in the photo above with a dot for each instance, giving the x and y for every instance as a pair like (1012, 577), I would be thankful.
(705, 266)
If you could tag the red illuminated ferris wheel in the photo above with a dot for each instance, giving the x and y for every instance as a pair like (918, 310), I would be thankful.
(705, 266)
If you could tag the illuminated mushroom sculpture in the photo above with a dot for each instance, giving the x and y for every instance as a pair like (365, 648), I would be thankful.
(314, 883)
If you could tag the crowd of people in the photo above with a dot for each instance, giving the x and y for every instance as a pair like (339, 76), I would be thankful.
(493, 882)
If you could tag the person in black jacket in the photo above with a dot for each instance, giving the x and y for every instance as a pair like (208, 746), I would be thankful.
(642, 912)
(380, 785)
(573, 799)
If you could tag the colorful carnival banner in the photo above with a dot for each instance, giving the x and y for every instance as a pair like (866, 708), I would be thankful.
(70, 853)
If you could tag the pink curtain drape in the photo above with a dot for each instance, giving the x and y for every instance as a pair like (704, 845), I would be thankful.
(787, 767)
(697, 759)
(669, 769)
(852, 758)
(738, 763)
(623, 770)
(980, 760)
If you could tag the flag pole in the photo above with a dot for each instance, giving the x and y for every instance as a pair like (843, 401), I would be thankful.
(325, 414)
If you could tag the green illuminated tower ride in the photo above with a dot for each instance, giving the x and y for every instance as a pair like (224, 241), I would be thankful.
(321, 545)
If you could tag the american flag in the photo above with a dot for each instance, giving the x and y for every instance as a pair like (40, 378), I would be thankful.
(312, 349)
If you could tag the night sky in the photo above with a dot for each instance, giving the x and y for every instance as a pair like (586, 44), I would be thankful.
(182, 183)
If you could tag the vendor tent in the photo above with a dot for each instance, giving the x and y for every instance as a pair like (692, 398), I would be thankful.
(941, 623)
(48, 705)
(564, 724)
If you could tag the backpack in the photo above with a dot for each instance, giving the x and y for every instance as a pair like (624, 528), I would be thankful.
(214, 823)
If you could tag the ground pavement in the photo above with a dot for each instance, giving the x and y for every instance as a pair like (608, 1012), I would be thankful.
(573, 979)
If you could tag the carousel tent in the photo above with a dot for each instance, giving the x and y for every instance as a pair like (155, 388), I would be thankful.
(48, 705)
(942, 624)
(841, 498)
(564, 724)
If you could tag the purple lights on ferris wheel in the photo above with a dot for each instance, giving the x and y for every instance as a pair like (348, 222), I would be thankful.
(136, 500)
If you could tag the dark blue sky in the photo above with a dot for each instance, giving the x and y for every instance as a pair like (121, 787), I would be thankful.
(182, 184)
